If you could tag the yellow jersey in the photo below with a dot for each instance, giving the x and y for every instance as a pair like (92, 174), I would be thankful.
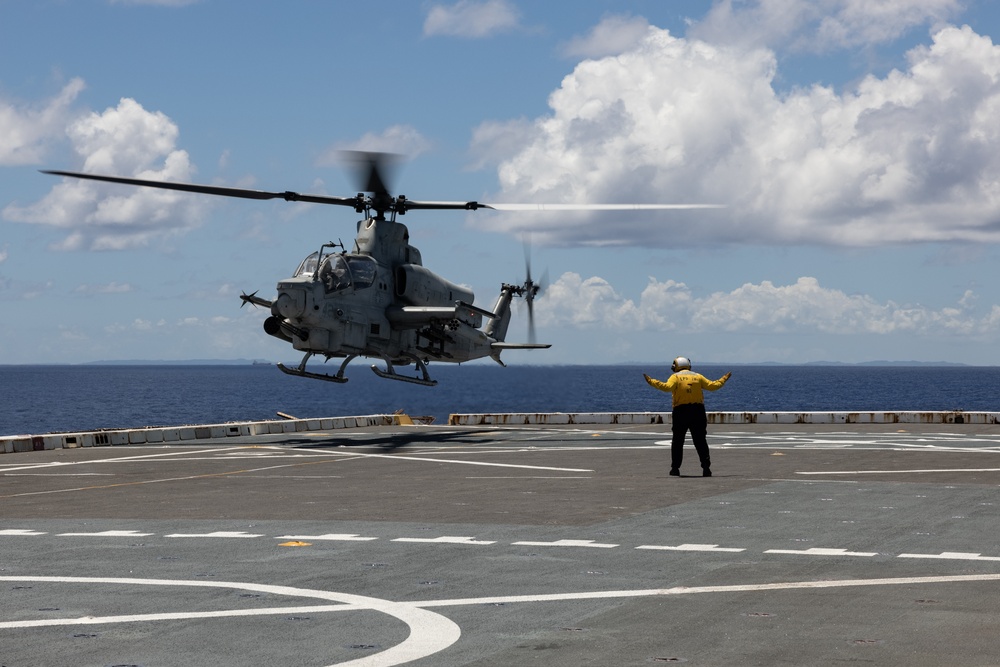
(686, 386)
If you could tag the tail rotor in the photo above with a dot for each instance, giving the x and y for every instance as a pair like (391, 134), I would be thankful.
(531, 289)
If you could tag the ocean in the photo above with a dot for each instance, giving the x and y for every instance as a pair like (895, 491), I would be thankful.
(52, 399)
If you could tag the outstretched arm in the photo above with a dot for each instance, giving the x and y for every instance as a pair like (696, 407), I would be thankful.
(656, 384)
(713, 385)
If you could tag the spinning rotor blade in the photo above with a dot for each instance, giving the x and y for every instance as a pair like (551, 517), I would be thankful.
(371, 168)
(216, 190)
(381, 200)
(368, 169)
(593, 207)
(531, 290)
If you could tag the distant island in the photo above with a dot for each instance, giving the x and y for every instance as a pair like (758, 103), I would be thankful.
(876, 363)
(179, 362)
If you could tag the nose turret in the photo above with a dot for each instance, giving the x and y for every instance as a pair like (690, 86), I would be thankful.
(291, 301)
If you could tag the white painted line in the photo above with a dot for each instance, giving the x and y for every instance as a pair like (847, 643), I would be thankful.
(896, 472)
(120, 459)
(107, 533)
(59, 474)
(174, 616)
(429, 633)
(567, 543)
(681, 590)
(529, 477)
(220, 533)
(19, 531)
(816, 551)
(443, 540)
(333, 537)
(952, 555)
(693, 547)
(468, 463)
(244, 473)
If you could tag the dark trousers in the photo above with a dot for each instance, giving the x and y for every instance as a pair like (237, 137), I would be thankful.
(689, 417)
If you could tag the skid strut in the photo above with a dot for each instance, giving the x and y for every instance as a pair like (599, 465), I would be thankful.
(300, 370)
(390, 373)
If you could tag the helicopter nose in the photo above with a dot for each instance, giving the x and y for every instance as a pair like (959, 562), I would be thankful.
(290, 304)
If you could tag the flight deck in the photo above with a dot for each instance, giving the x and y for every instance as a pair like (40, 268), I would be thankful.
(380, 542)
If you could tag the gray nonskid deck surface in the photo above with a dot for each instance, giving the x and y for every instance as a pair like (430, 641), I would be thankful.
(557, 545)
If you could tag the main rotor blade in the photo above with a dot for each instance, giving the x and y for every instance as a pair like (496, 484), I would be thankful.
(410, 205)
(215, 189)
(593, 207)
(375, 185)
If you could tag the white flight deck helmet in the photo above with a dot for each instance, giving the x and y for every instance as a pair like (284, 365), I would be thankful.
(681, 364)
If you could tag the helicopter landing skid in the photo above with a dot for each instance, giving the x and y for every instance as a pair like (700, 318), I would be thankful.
(390, 373)
(301, 371)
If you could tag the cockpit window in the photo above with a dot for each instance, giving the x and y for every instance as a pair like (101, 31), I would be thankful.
(308, 265)
(339, 272)
(362, 271)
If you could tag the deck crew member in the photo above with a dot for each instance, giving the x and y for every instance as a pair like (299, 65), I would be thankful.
(688, 411)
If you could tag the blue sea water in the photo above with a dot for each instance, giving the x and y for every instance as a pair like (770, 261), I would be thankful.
(45, 399)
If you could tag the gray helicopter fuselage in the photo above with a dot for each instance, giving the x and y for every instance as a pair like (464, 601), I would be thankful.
(376, 300)
(379, 301)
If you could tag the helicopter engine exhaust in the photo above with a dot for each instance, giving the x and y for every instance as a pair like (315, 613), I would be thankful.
(421, 287)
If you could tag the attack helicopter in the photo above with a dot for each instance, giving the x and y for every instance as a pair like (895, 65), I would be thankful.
(377, 300)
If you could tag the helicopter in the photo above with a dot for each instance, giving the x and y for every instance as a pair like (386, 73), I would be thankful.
(377, 300)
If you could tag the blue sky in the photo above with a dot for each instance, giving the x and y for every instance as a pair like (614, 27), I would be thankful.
(855, 145)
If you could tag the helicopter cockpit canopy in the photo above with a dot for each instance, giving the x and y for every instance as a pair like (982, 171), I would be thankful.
(338, 272)
(308, 266)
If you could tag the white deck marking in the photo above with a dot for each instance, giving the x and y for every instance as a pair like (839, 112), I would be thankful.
(567, 543)
(429, 633)
(446, 539)
(119, 459)
(176, 616)
(59, 474)
(951, 555)
(468, 463)
(693, 547)
(896, 472)
(333, 537)
(219, 533)
(247, 472)
(107, 533)
(817, 551)
(20, 531)
(682, 590)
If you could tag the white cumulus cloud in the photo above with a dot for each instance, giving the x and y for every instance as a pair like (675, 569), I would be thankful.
(126, 140)
(471, 18)
(819, 25)
(913, 156)
(802, 307)
(395, 139)
(28, 130)
(613, 35)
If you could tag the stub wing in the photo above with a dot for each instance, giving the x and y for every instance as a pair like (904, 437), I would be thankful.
(413, 317)
(520, 346)
(499, 346)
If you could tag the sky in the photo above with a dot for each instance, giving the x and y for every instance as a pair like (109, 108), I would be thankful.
(854, 145)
